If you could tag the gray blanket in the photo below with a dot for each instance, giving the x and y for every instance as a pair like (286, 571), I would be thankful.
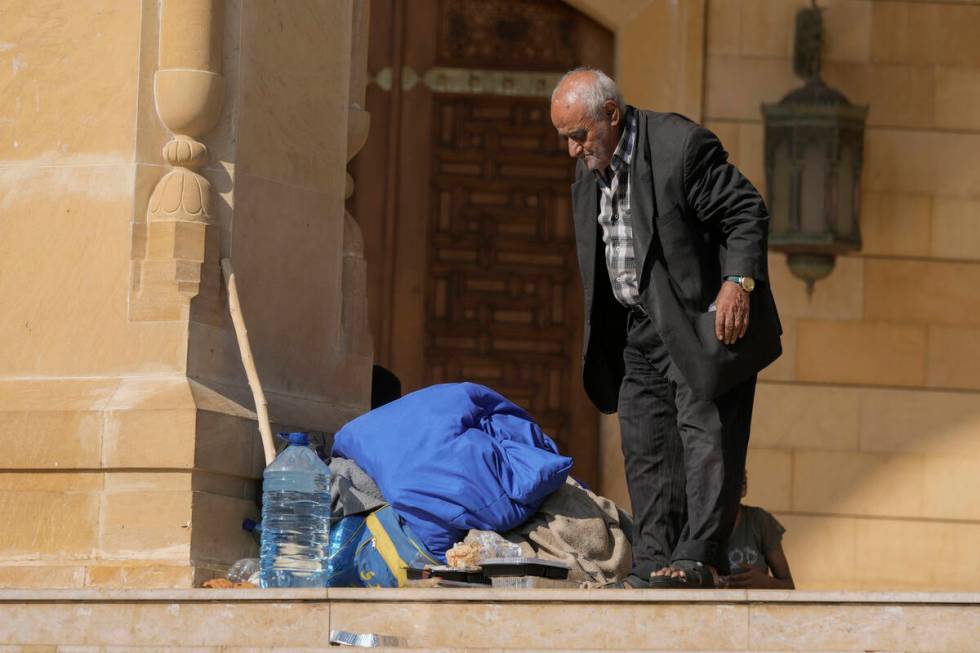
(352, 491)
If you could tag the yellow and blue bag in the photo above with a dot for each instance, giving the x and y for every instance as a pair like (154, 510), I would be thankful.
(387, 548)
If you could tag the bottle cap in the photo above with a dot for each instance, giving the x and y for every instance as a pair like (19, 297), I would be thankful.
(301, 439)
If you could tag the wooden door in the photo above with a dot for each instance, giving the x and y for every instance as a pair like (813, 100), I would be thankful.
(463, 197)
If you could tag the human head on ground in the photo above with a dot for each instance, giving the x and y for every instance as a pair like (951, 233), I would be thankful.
(587, 109)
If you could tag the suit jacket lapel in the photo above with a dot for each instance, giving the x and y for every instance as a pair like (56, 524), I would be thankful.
(642, 207)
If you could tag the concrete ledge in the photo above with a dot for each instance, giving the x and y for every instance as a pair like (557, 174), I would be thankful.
(230, 621)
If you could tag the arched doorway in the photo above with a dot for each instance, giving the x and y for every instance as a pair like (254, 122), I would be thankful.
(463, 198)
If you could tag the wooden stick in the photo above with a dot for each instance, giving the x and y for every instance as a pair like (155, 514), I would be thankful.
(261, 407)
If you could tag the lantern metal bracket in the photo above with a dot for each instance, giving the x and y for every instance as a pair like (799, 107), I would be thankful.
(808, 43)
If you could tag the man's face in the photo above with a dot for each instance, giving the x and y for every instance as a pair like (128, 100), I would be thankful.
(593, 141)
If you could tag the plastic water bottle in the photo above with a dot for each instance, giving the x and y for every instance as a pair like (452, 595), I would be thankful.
(295, 518)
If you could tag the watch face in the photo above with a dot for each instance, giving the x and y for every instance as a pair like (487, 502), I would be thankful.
(748, 284)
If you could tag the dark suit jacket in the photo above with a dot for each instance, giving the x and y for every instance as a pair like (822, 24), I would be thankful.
(695, 220)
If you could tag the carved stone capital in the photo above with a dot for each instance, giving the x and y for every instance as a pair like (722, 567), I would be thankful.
(358, 127)
(180, 230)
(186, 153)
(181, 196)
(189, 101)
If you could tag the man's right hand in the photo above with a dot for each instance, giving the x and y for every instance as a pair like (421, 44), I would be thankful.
(732, 313)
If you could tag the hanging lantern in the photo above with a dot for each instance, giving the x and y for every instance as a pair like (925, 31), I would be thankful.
(814, 145)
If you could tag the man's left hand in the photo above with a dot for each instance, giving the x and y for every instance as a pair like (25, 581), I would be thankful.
(732, 312)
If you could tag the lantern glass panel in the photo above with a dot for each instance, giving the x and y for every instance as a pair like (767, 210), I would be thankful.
(781, 190)
(813, 190)
(845, 226)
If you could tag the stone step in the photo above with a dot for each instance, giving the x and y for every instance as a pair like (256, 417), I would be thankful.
(203, 621)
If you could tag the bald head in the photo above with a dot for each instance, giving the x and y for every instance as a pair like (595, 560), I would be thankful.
(589, 88)
(587, 110)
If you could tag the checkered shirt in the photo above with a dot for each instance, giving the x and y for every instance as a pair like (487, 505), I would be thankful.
(615, 217)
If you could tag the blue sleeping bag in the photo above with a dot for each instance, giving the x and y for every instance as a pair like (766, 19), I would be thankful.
(453, 457)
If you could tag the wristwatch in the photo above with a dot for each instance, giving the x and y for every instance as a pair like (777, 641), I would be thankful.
(747, 283)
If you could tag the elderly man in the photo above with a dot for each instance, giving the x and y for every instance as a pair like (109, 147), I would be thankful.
(679, 318)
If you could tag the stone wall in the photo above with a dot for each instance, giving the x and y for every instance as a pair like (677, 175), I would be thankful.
(140, 142)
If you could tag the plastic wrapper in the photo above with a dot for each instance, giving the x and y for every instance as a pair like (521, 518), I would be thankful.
(362, 640)
(494, 547)
(488, 546)
(245, 570)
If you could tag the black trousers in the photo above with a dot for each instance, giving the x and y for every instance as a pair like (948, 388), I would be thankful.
(684, 456)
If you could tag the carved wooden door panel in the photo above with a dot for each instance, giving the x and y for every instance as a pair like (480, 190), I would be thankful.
(504, 301)
(478, 277)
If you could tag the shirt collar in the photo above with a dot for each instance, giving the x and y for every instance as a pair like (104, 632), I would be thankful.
(624, 149)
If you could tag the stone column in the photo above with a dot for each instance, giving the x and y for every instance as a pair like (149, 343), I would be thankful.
(149, 139)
